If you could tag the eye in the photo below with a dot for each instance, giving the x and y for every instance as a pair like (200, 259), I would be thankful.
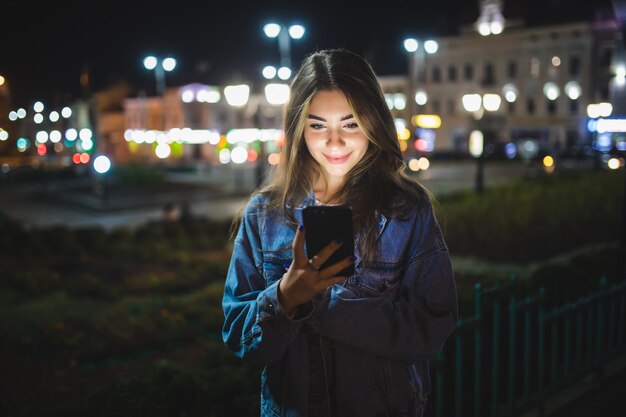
(316, 126)
(351, 125)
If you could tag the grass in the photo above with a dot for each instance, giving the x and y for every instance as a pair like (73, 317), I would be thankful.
(111, 323)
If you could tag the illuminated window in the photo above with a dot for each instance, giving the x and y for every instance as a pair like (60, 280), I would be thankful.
(535, 67)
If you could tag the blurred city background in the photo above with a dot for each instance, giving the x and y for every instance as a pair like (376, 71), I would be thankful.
(118, 182)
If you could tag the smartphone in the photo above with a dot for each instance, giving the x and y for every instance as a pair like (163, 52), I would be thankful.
(323, 224)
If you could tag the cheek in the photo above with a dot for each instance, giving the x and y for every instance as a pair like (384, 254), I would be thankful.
(312, 143)
(361, 145)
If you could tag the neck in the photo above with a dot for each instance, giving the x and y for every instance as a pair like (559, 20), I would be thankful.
(326, 189)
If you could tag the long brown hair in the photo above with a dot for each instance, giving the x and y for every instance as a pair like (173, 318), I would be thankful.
(373, 184)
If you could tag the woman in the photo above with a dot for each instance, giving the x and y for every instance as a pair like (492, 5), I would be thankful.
(335, 345)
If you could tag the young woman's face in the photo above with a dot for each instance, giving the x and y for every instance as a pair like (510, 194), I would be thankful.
(332, 135)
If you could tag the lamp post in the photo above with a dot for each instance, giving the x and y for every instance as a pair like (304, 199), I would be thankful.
(477, 105)
(102, 165)
(160, 67)
(237, 96)
(417, 54)
(284, 35)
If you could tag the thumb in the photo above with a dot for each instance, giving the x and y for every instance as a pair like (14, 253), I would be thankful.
(299, 257)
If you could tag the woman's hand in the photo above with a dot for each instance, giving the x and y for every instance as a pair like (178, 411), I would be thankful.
(304, 279)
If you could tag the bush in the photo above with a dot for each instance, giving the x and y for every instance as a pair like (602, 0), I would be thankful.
(137, 174)
(533, 220)
(219, 385)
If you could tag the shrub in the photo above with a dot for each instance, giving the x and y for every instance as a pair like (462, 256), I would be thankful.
(137, 174)
(533, 220)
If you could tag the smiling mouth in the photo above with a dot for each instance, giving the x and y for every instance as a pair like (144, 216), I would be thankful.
(337, 160)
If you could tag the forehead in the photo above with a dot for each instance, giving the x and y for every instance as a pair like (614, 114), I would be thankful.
(329, 101)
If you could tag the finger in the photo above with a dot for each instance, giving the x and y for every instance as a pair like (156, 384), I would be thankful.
(331, 281)
(326, 252)
(332, 271)
(299, 257)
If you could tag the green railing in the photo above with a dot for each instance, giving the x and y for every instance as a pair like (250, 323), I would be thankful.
(513, 353)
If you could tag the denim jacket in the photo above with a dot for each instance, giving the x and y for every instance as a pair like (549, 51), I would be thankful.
(359, 348)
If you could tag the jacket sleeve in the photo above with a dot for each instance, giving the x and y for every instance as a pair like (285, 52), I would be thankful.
(255, 326)
(409, 327)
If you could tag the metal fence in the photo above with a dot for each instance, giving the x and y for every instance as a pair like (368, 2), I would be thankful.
(514, 352)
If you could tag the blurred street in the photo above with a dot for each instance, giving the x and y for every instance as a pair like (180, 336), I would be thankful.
(217, 194)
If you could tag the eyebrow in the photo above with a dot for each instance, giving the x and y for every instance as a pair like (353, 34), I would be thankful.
(312, 116)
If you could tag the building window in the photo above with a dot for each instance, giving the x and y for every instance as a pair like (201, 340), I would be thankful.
(551, 106)
(535, 67)
(571, 138)
(574, 66)
(451, 73)
(195, 119)
(512, 69)
(490, 75)
(511, 107)
(451, 107)
(436, 105)
(436, 74)
(530, 106)
(468, 72)
(573, 106)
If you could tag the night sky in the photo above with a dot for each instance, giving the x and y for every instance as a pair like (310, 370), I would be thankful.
(45, 48)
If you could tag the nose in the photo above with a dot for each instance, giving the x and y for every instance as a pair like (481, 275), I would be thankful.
(335, 138)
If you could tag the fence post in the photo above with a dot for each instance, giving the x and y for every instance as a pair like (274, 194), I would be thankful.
(495, 335)
(610, 342)
(512, 340)
(477, 348)
(441, 363)
(527, 324)
(578, 308)
(600, 327)
(554, 329)
(621, 315)
(540, 340)
(590, 355)
(458, 374)
(566, 340)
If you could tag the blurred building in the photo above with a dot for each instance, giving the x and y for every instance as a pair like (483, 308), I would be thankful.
(196, 124)
(539, 82)
(527, 85)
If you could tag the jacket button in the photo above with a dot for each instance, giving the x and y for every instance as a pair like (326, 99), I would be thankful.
(270, 308)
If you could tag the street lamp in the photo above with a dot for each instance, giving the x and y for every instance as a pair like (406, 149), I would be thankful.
(477, 105)
(284, 35)
(236, 96)
(490, 21)
(102, 165)
(167, 64)
(416, 70)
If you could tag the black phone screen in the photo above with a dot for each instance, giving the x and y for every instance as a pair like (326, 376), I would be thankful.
(323, 224)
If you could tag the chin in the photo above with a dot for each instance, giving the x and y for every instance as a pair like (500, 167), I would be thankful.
(337, 172)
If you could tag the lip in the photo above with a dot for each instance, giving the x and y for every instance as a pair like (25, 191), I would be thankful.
(339, 160)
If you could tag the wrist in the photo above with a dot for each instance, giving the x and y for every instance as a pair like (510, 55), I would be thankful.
(285, 305)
